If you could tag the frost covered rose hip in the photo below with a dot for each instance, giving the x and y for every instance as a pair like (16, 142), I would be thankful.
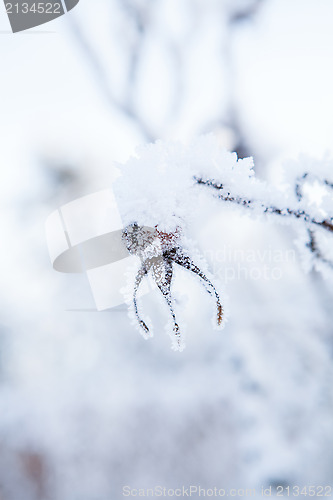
(158, 251)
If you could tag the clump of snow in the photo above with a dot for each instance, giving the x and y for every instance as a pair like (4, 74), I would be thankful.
(158, 186)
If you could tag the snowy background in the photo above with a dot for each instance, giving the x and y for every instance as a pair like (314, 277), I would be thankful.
(86, 405)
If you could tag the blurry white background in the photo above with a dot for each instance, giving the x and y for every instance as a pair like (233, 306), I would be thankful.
(86, 405)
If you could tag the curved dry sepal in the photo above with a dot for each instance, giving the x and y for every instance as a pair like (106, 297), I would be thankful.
(219, 314)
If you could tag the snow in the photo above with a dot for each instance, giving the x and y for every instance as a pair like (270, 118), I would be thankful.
(157, 186)
(81, 393)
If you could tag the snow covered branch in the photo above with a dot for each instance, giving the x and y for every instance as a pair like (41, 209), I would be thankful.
(167, 184)
(248, 203)
(325, 223)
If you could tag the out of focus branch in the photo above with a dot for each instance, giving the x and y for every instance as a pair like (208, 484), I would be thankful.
(239, 13)
(126, 106)
(246, 12)
(313, 247)
(312, 244)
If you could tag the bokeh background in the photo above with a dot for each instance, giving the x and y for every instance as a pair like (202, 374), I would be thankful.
(86, 405)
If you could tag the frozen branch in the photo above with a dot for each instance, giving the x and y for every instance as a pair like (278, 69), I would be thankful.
(248, 203)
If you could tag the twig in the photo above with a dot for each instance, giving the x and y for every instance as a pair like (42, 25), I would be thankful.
(286, 212)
